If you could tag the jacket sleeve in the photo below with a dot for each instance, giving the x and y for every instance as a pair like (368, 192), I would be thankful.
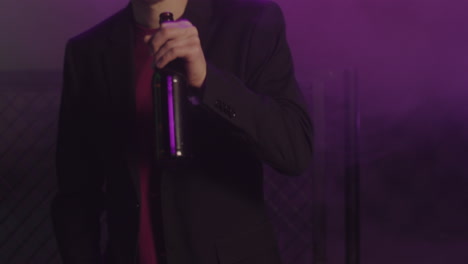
(77, 206)
(268, 108)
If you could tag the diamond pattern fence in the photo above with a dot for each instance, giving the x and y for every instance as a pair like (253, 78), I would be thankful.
(29, 103)
(28, 117)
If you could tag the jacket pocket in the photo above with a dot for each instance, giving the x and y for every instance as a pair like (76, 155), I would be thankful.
(246, 244)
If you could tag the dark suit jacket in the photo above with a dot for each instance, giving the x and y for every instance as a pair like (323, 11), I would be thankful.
(207, 211)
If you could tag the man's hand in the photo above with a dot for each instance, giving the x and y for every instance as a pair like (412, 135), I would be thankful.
(179, 40)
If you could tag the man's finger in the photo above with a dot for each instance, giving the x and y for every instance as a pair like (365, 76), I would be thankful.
(172, 54)
(178, 23)
(170, 44)
(169, 33)
(169, 55)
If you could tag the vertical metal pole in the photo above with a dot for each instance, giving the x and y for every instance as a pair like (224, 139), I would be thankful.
(319, 240)
(352, 170)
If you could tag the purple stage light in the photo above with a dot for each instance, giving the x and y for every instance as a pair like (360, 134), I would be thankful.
(170, 105)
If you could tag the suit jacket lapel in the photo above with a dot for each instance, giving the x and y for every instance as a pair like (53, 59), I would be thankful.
(119, 69)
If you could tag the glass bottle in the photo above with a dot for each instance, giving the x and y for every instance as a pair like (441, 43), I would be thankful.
(170, 102)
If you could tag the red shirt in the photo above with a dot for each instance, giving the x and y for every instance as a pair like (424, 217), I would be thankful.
(144, 120)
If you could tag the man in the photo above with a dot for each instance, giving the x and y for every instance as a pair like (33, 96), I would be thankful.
(206, 211)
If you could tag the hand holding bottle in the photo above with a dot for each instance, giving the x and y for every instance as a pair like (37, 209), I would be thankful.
(179, 40)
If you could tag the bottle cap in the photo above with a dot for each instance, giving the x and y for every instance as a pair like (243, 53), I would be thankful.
(166, 17)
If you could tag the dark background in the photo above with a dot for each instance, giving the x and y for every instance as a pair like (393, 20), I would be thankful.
(411, 59)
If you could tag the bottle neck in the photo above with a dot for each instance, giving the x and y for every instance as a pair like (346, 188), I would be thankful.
(148, 14)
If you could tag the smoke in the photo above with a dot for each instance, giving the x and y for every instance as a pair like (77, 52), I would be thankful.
(412, 60)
